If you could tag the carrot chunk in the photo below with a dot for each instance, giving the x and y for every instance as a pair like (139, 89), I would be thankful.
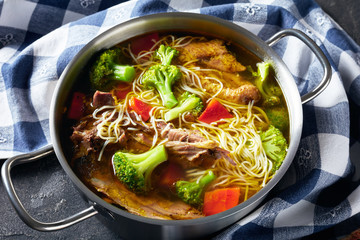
(171, 174)
(77, 106)
(144, 43)
(140, 108)
(214, 112)
(121, 90)
(220, 200)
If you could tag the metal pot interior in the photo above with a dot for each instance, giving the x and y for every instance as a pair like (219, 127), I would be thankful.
(186, 22)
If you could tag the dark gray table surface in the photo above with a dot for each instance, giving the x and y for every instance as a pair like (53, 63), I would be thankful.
(49, 195)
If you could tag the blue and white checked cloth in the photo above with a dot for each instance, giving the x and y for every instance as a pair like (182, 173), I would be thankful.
(321, 189)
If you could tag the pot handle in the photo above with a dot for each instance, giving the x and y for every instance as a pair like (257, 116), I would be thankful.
(24, 215)
(318, 53)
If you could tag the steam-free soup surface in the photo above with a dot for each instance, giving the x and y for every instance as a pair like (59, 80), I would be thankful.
(175, 126)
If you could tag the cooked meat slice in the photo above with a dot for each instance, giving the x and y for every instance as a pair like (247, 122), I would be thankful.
(85, 138)
(152, 205)
(190, 155)
(164, 128)
(167, 130)
(143, 138)
(213, 54)
(185, 135)
(87, 141)
(189, 149)
(102, 99)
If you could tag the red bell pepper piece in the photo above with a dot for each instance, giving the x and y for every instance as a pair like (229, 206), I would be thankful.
(214, 112)
(77, 106)
(219, 200)
(171, 174)
(140, 108)
(121, 90)
(144, 43)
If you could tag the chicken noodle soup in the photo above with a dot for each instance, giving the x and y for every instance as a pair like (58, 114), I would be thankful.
(177, 126)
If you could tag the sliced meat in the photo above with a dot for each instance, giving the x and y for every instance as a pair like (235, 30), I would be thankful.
(185, 135)
(152, 205)
(143, 138)
(189, 149)
(167, 130)
(102, 99)
(190, 155)
(87, 141)
(164, 128)
(85, 138)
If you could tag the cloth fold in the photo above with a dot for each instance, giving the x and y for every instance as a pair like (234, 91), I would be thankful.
(320, 189)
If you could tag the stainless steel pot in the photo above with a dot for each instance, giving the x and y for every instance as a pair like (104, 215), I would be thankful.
(129, 224)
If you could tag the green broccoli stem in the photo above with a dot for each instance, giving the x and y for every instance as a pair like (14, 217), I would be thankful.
(205, 180)
(167, 96)
(263, 70)
(192, 192)
(134, 170)
(123, 73)
(188, 104)
(152, 159)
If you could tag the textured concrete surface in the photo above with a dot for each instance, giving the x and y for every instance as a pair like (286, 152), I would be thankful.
(48, 194)
(346, 13)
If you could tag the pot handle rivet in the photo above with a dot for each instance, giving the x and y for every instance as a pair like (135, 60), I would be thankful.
(15, 201)
(318, 53)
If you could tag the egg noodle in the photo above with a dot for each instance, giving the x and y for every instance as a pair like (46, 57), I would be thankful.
(238, 135)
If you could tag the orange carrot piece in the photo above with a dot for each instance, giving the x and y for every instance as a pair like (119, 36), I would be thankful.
(144, 43)
(220, 200)
(140, 108)
(214, 112)
(121, 90)
(171, 174)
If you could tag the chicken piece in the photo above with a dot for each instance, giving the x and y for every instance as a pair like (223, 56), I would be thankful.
(212, 54)
(200, 50)
(242, 94)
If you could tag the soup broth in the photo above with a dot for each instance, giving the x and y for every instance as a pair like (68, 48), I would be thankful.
(207, 111)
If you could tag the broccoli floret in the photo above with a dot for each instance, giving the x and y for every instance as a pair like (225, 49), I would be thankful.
(165, 54)
(278, 117)
(192, 192)
(134, 170)
(187, 102)
(106, 70)
(275, 146)
(270, 92)
(162, 78)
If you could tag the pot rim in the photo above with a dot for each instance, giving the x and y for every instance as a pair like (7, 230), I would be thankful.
(102, 41)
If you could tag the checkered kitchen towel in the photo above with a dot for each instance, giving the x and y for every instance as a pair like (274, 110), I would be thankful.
(39, 37)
